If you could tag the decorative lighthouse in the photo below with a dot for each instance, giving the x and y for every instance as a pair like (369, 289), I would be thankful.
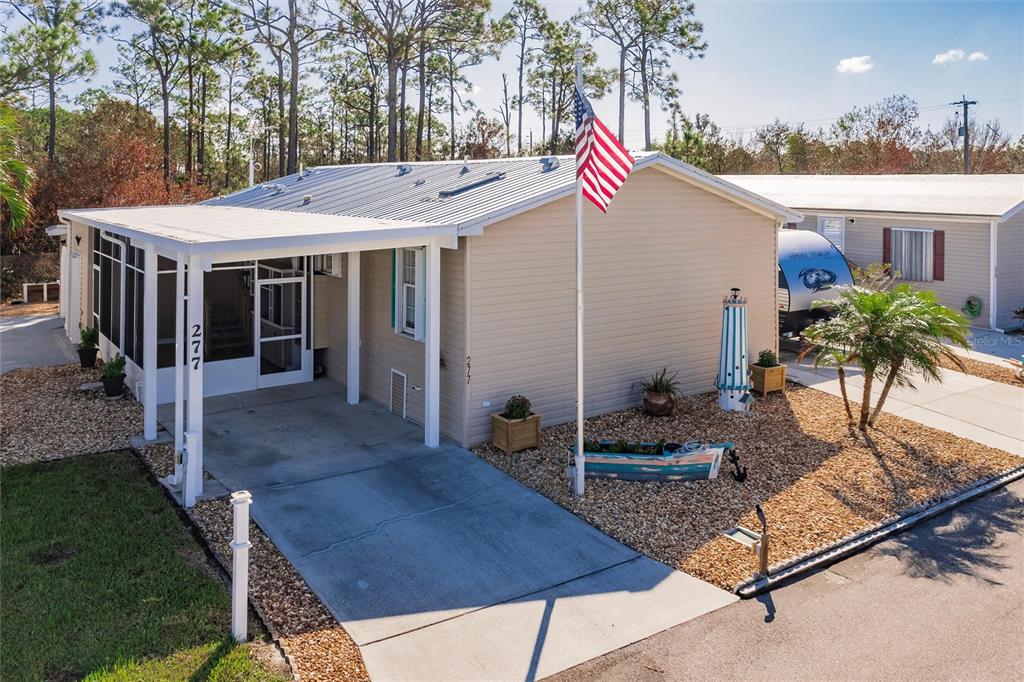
(733, 380)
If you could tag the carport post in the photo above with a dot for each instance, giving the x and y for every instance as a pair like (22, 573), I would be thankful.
(179, 365)
(149, 343)
(194, 435)
(240, 545)
(352, 345)
(432, 373)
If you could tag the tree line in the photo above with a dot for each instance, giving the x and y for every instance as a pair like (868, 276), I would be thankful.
(316, 82)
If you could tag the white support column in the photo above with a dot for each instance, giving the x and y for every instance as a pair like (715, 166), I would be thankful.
(352, 346)
(432, 373)
(149, 314)
(240, 546)
(195, 335)
(179, 367)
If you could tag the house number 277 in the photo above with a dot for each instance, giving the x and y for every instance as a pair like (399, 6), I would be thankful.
(197, 345)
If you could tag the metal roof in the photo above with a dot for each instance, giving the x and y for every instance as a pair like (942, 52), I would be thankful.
(209, 229)
(992, 197)
(470, 194)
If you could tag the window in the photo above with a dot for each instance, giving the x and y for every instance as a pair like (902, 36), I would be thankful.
(410, 301)
(912, 252)
(833, 228)
(327, 264)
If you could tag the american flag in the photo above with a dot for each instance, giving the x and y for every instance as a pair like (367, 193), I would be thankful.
(601, 161)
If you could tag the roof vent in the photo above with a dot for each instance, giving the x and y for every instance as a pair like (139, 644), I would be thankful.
(404, 169)
(465, 165)
(417, 183)
(279, 189)
(549, 163)
(307, 199)
(477, 182)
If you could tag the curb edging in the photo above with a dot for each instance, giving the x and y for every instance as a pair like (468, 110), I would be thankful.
(830, 554)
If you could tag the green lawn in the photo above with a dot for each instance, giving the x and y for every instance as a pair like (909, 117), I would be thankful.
(99, 579)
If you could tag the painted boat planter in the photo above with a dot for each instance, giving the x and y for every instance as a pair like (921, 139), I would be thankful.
(693, 461)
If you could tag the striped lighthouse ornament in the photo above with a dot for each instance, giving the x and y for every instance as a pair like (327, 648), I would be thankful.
(733, 381)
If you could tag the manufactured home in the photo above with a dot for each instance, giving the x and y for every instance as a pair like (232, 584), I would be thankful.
(961, 236)
(435, 289)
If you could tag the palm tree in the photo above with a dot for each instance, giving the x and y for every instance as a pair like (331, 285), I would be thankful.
(889, 333)
(15, 175)
(917, 340)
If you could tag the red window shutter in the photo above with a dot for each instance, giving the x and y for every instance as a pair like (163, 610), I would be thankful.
(939, 255)
(887, 245)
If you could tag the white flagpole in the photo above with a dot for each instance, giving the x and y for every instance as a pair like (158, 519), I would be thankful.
(580, 459)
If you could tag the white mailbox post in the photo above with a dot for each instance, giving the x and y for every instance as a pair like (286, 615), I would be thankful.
(240, 545)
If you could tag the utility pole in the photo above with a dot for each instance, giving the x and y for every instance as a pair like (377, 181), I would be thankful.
(966, 104)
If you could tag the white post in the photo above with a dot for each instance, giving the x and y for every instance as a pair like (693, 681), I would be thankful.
(580, 460)
(65, 267)
(352, 346)
(432, 375)
(149, 314)
(24, 293)
(993, 274)
(194, 333)
(179, 366)
(240, 545)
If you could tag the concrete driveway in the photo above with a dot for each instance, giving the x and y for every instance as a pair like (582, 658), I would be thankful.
(34, 341)
(984, 411)
(438, 565)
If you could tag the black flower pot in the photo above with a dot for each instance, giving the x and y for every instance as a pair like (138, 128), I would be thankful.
(87, 357)
(114, 386)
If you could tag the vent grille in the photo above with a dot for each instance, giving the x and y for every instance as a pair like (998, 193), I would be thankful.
(399, 393)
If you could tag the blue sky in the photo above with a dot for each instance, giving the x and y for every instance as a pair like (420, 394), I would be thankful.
(780, 59)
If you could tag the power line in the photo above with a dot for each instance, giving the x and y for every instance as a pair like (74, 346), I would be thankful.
(966, 129)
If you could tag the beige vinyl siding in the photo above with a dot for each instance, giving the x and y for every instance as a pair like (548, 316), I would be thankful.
(656, 270)
(321, 311)
(84, 249)
(966, 260)
(383, 350)
(1010, 271)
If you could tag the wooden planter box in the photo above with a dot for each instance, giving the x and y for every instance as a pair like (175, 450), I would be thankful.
(512, 435)
(768, 379)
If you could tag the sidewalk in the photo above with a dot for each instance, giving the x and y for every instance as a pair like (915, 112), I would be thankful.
(981, 410)
(34, 341)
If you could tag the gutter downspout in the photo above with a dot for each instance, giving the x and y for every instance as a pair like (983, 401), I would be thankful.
(993, 288)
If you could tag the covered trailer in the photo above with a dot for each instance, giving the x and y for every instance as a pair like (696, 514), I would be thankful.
(810, 269)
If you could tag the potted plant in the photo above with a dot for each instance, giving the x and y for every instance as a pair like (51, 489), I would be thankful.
(767, 374)
(88, 342)
(660, 392)
(113, 376)
(517, 428)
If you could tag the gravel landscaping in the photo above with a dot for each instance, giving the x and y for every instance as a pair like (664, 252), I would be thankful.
(817, 481)
(45, 416)
(318, 647)
(985, 370)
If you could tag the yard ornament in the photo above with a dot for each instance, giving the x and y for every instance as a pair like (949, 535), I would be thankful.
(733, 380)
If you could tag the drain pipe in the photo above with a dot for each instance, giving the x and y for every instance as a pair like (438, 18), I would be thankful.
(240, 545)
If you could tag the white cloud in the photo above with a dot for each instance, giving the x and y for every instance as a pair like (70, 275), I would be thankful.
(855, 64)
(949, 56)
(977, 57)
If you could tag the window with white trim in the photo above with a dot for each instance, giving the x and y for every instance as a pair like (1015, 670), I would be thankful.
(327, 264)
(833, 228)
(913, 253)
(410, 289)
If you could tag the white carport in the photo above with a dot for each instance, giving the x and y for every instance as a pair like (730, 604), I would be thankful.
(204, 235)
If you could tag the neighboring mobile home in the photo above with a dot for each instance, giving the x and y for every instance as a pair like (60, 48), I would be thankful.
(437, 289)
(961, 236)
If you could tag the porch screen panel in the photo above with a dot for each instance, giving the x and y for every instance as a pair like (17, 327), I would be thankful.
(229, 313)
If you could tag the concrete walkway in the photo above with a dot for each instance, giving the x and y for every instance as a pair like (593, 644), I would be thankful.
(990, 346)
(943, 601)
(440, 566)
(34, 341)
(984, 411)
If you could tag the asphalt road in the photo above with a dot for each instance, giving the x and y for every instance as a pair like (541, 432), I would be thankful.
(944, 601)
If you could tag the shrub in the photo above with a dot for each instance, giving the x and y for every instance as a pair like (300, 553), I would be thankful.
(662, 382)
(767, 358)
(517, 407)
(88, 338)
(114, 367)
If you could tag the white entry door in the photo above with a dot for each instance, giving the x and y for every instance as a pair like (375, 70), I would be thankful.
(833, 228)
(282, 326)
